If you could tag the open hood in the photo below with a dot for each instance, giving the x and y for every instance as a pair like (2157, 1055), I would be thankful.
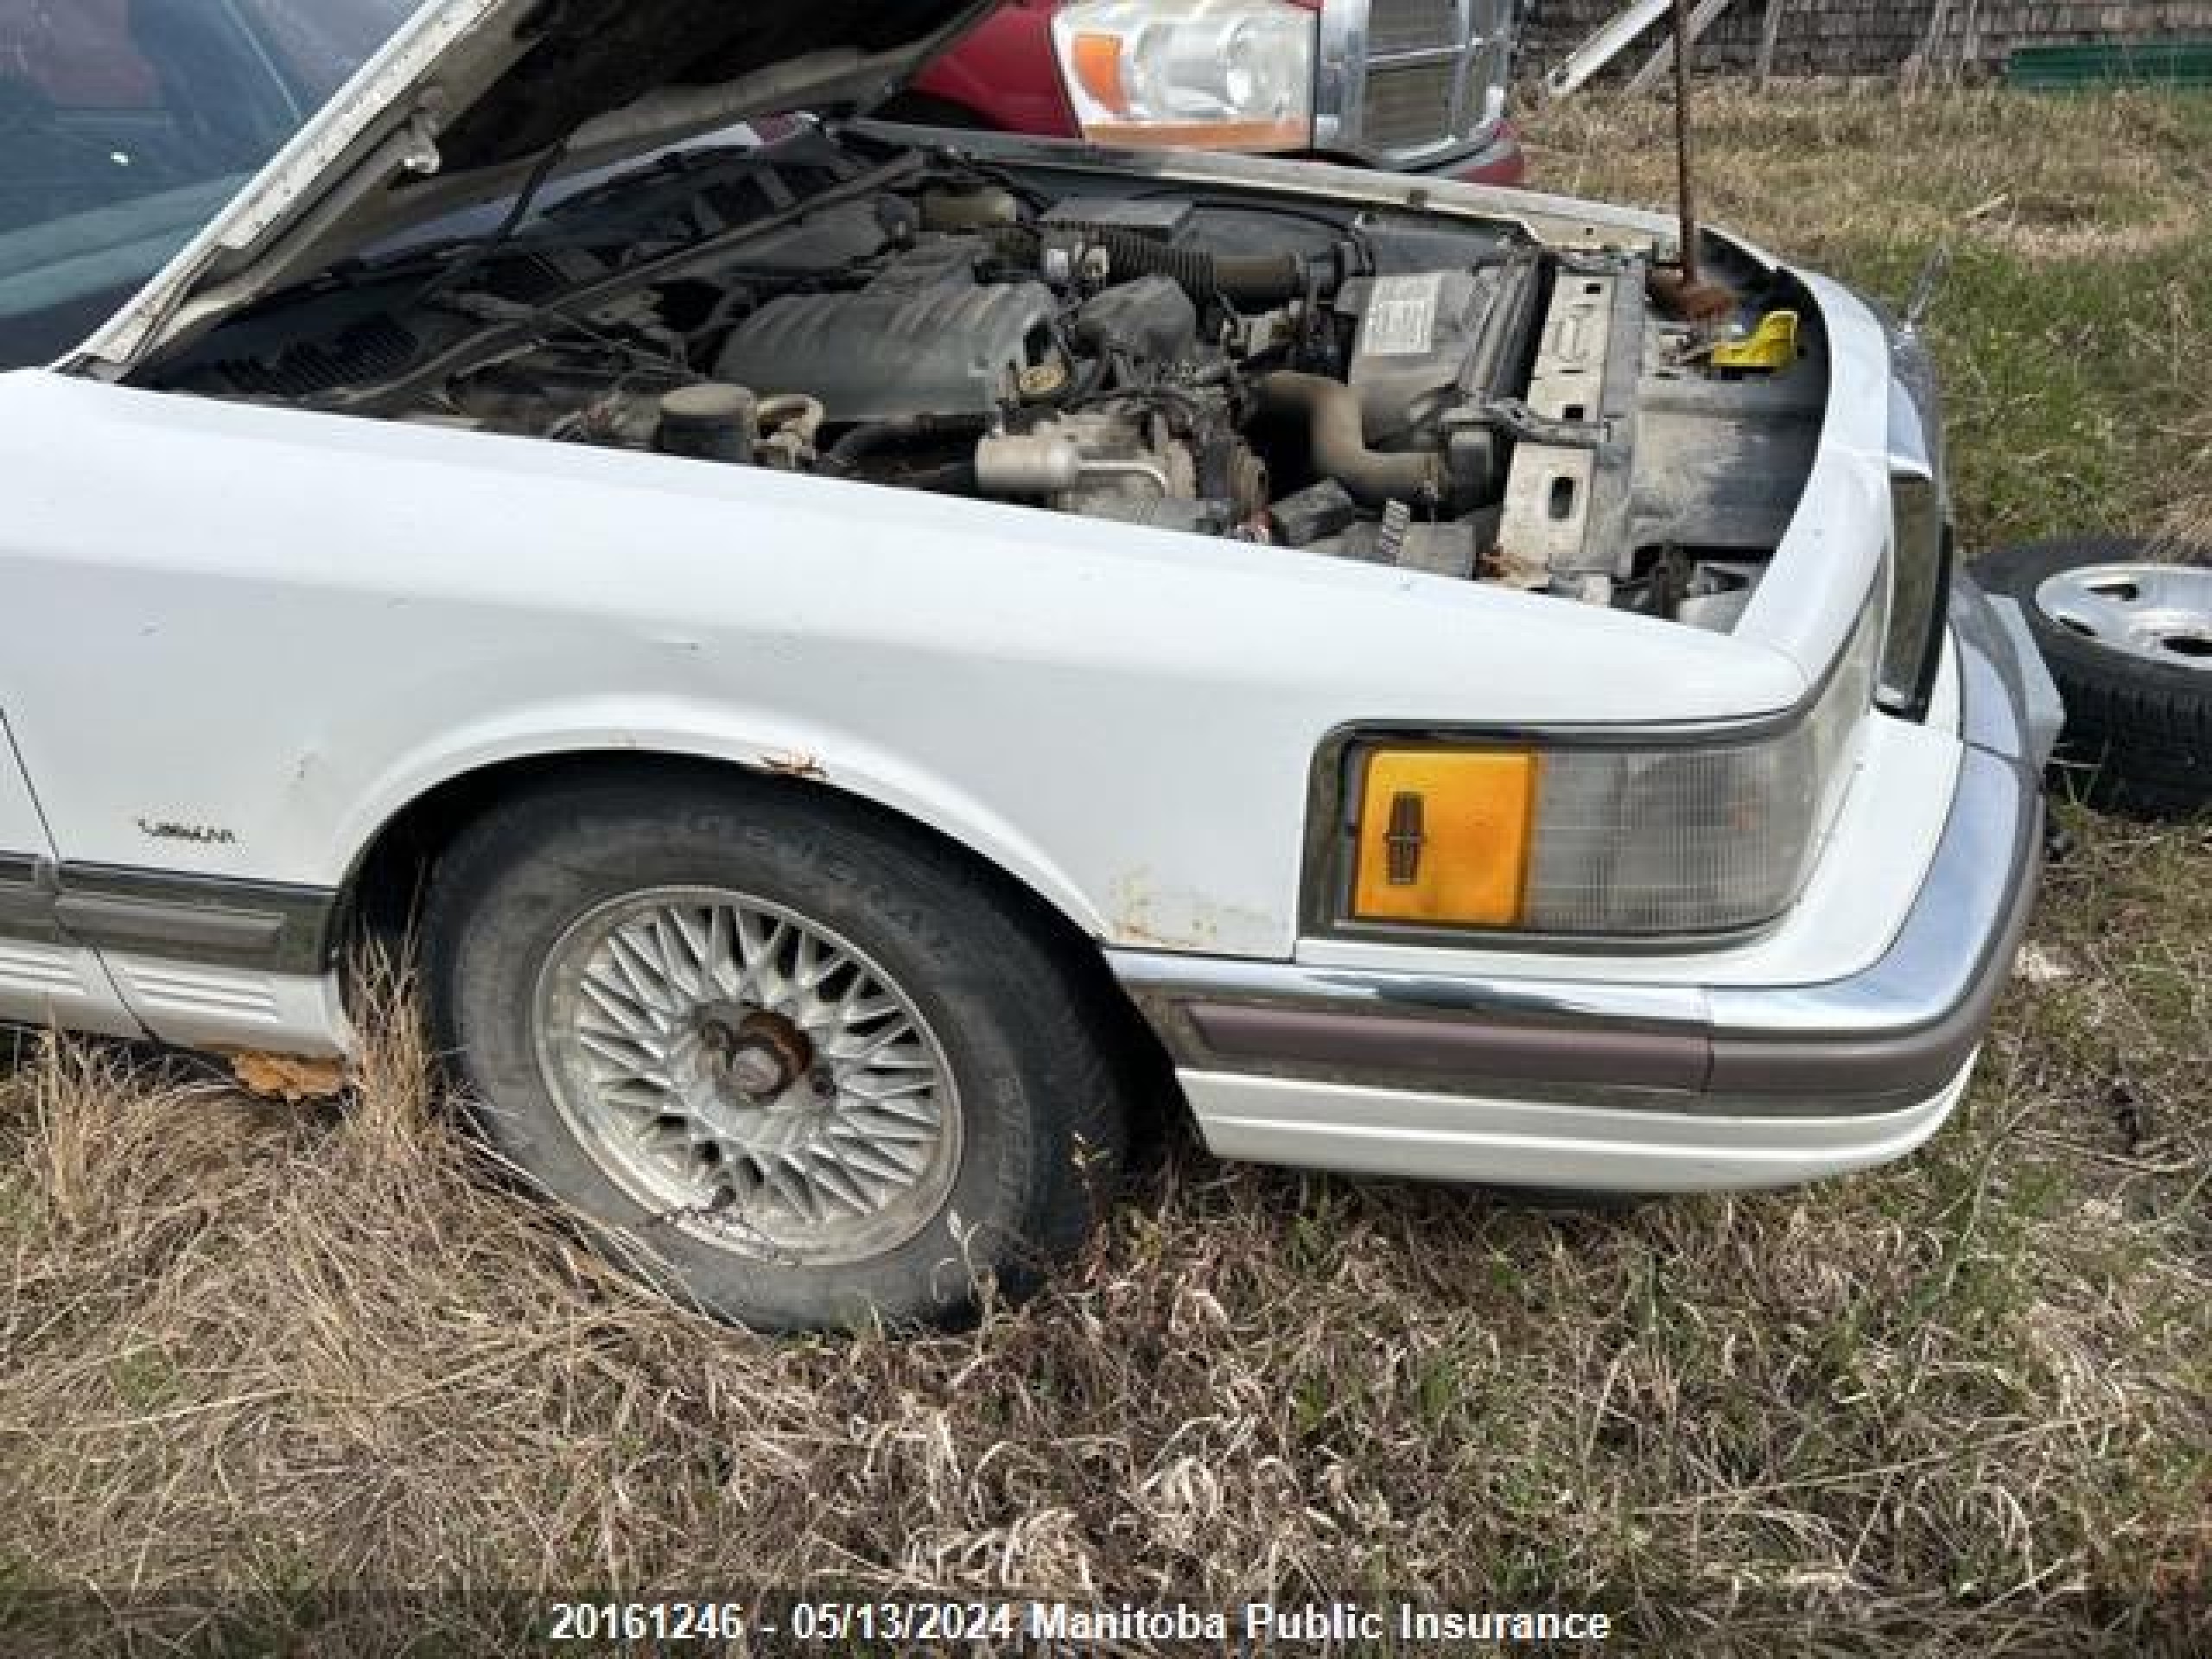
(471, 95)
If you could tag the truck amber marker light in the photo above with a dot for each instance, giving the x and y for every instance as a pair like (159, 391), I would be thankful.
(1097, 62)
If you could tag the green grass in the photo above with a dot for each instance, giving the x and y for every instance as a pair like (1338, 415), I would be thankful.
(293, 1382)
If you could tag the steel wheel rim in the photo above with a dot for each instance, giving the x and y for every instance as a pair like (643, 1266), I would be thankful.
(749, 1074)
(2155, 613)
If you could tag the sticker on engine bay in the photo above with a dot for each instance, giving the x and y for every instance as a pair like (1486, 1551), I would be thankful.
(1402, 315)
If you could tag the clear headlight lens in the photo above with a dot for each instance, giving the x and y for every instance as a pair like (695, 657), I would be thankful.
(1609, 841)
(1231, 74)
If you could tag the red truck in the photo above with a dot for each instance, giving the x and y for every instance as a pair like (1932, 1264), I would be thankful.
(1411, 85)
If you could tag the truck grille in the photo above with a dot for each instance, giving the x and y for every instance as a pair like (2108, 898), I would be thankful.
(1412, 25)
(1432, 75)
(1408, 106)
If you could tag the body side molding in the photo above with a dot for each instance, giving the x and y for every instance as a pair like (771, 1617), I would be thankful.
(264, 926)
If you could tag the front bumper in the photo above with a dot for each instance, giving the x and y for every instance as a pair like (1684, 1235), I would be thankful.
(1642, 1087)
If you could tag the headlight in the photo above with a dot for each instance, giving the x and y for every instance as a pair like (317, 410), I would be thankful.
(1231, 74)
(1624, 841)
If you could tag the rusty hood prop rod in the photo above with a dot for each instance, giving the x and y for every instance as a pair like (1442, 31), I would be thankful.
(1684, 291)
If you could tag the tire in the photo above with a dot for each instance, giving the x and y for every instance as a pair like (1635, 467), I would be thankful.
(2139, 698)
(963, 1089)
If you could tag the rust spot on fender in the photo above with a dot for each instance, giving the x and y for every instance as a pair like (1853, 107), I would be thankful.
(1140, 910)
(797, 763)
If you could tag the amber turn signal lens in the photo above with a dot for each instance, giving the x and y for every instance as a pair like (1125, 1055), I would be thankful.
(1443, 836)
(1096, 61)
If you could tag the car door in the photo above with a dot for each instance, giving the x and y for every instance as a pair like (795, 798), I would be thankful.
(46, 976)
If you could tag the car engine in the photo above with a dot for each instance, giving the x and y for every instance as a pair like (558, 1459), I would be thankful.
(1458, 399)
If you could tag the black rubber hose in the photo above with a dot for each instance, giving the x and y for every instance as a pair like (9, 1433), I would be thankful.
(1246, 279)
(870, 438)
(954, 477)
(1239, 278)
(1259, 278)
(1337, 430)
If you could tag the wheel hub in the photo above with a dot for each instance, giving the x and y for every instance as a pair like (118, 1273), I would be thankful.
(756, 1054)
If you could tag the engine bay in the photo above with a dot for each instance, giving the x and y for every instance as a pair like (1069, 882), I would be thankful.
(1453, 398)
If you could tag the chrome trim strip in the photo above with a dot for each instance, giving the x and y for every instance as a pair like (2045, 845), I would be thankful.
(1340, 76)
(1881, 1040)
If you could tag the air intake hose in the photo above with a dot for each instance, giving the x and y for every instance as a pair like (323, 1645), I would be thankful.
(1337, 431)
(1239, 278)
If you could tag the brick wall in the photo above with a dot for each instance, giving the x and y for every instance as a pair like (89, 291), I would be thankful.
(1877, 37)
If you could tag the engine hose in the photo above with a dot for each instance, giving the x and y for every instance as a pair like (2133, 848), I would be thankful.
(1337, 431)
(954, 477)
(1254, 278)
(872, 436)
(1239, 278)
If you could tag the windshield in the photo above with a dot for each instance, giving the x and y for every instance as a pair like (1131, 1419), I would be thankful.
(125, 124)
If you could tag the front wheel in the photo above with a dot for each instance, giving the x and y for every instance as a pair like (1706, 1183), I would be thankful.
(810, 1059)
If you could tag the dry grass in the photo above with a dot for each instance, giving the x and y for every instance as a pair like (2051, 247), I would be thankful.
(285, 1381)
(1823, 176)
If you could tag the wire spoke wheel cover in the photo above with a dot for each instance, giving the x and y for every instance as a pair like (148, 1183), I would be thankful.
(748, 1073)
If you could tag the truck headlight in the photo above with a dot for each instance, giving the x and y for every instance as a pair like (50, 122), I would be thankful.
(1227, 74)
(1627, 841)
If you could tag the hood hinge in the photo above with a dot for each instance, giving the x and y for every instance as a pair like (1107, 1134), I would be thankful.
(419, 154)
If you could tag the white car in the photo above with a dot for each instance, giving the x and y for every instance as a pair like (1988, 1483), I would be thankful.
(848, 649)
